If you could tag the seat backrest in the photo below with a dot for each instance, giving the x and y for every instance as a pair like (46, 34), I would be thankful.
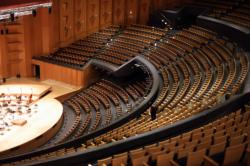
(137, 153)
(164, 159)
(236, 140)
(104, 162)
(248, 155)
(120, 159)
(209, 161)
(233, 155)
(217, 148)
(140, 161)
(195, 158)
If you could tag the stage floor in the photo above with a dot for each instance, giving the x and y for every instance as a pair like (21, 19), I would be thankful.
(48, 111)
(58, 88)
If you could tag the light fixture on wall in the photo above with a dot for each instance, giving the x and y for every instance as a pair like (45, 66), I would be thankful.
(12, 17)
(50, 9)
(34, 13)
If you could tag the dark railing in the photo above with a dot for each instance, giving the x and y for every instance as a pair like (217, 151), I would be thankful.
(238, 34)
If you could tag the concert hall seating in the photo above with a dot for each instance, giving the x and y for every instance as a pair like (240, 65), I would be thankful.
(101, 103)
(109, 45)
(78, 53)
(222, 141)
(236, 12)
(198, 70)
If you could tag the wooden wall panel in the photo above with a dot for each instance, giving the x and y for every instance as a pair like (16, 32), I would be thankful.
(131, 11)
(71, 76)
(92, 16)
(158, 4)
(60, 73)
(118, 12)
(36, 37)
(172, 3)
(66, 22)
(27, 67)
(55, 25)
(105, 13)
(46, 21)
(3, 58)
(14, 68)
(16, 53)
(80, 18)
(165, 4)
(45, 25)
(144, 10)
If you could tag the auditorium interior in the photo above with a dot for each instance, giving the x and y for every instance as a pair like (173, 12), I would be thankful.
(125, 82)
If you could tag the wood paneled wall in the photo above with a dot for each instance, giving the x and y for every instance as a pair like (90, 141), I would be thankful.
(80, 19)
(15, 54)
(131, 11)
(68, 21)
(118, 12)
(93, 15)
(106, 13)
(144, 10)
(65, 74)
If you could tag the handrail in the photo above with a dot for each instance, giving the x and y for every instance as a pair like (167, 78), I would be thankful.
(238, 34)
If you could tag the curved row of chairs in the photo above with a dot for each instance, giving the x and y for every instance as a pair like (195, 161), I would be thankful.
(186, 94)
(236, 12)
(198, 70)
(101, 103)
(228, 137)
(109, 45)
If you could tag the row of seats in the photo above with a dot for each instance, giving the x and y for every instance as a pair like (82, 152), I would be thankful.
(131, 41)
(236, 12)
(224, 141)
(198, 69)
(101, 103)
(79, 53)
(183, 95)
(109, 45)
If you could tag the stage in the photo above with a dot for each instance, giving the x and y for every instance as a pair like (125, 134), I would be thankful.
(31, 120)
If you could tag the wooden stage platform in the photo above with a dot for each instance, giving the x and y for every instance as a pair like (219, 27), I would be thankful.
(42, 120)
(25, 89)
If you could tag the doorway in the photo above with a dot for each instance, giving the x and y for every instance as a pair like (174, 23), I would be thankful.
(37, 71)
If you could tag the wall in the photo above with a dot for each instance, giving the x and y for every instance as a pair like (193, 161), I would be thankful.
(79, 78)
(15, 54)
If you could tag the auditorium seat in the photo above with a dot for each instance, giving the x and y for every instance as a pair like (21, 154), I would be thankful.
(205, 92)
(233, 12)
(197, 69)
(186, 146)
(101, 103)
(109, 45)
